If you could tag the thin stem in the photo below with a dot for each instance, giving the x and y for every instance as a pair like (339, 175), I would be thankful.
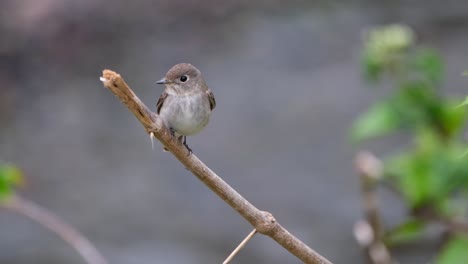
(52, 222)
(240, 246)
(369, 232)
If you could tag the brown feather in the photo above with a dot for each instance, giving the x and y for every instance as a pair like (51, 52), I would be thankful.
(160, 102)
(212, 99)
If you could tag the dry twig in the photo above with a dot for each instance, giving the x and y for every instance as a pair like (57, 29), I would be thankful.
(49, 220)
(240, 246)
(262, 221)
(369, 232)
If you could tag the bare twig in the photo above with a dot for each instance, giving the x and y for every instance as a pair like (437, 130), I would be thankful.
(369, 170)
(49, 220)
(374, 249)
(240, 246)
(262, 221)
(369, 233)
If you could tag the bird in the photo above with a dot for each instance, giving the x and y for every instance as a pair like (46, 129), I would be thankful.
(186, 103)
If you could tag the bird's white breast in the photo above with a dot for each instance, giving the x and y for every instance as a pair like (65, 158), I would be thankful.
(186, 114)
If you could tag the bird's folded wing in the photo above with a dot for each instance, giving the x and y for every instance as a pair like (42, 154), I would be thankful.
(212, 99)
(160, 102)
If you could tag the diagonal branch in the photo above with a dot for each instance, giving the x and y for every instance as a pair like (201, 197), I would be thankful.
(49, 220)
(262, 221)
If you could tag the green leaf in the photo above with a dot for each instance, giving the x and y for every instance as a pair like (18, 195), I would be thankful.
(379, 120)
(430, 64)
(456, 172)
(5, 191)
(452, 118)
(464, 154)
(465, 73)
(10, 177)
(372, 67)
(454, 252)
(412, 102)
(421, 174)
(463, 104)
(417, 181)
(405, 232)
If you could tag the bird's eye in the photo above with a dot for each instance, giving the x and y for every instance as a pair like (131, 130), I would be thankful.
(183, 78)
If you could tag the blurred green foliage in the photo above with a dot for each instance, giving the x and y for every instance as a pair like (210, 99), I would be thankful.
(455, 251)
(431, 174)
(407, 231)
(384, 47)
(10, 177)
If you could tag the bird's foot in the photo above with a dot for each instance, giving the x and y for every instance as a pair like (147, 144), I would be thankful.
(171, 130)
(188, 148)
(182, 139)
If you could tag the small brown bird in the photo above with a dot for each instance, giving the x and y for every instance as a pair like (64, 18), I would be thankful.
(186, 103)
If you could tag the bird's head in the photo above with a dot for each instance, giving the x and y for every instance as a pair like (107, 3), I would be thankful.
(183, 78)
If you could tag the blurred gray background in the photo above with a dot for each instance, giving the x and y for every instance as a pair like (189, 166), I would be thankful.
(287, 82)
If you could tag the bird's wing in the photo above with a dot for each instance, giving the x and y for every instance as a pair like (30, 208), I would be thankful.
(160, 102)
(211, 98)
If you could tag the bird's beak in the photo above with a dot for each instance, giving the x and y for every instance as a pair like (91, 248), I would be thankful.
(162, 81)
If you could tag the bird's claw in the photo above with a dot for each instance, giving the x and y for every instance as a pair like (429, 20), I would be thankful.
(189, 149)
(172, 133)
(182, 139)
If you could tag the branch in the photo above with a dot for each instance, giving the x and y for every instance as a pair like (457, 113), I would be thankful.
(262, 221)
(369, 232)
(369, 169)
(56, 225)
